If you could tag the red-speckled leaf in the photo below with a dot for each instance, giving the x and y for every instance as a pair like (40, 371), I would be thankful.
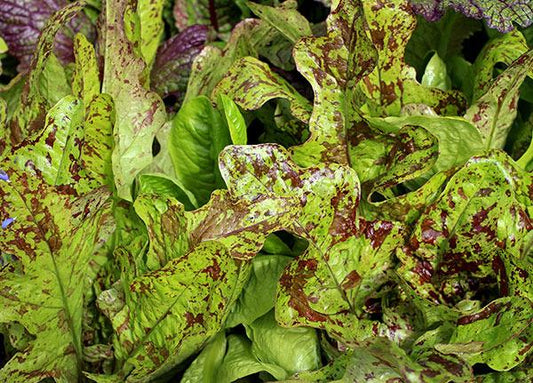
(334, 64)
(500, 334)
(197, 266)
(52, 238)
(139, 112)
(29, 114)
(494, 112)
(347, 258)
(475, 236)
(392, 84)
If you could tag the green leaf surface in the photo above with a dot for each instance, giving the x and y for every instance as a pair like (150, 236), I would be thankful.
(205, 367)
(494, 112)
(240, 362)
(151, 27)
(392, 83)
(477, 229)
(197, 136)
(284, 18)
(234, 120)
(57, 152)
(293, 349)
(259, 293)
(380, 360)
(30, 112)
(251, 83)
(139, 112)
(502, 49)
(86, 77)
(499, 335)
(53, 237)
(326, 286)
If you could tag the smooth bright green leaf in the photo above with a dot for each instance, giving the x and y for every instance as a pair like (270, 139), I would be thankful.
(239, 362)
(435, 75)
(293, 349)
(205, 367)
(234, 120)
(197, 136)
(259, 293)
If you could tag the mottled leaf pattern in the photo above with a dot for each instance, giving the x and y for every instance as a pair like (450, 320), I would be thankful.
(499, 335)
(392, 83)
(139, 112)
(494, 112)
(485, 204)
(30, 112)
(52, 238)
(251, 83)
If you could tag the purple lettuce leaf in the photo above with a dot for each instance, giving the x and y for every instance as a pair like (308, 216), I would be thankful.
(499, 14)
(21, 22)
(174, 60)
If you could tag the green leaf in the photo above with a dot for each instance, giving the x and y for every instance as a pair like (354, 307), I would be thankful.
(205, 367)
(30, 112)
(240, 362)
(250, 37)
(197, 136)
(458, 139)
(499, 335)
(251, 83)
(392, 83)
(435, 75)
(259, 293)
(476, 230)
(139, 112)
(502, 49)
(494, 112)
(86, 77)
(204, 255)
(151, 24)
(293, 349)
(97, 148)
(234, 120)
(379, 360)
(284, 18)
(444, 37)
(334, 64)
(53, 238)
(327, 285)
(53, 82)
(57, 152)
(164, 186)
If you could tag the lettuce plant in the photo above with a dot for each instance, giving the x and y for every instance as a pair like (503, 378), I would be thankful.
(338, 201)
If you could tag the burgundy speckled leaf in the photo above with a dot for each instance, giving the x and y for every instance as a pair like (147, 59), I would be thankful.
(347, 258)
(475, 236)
